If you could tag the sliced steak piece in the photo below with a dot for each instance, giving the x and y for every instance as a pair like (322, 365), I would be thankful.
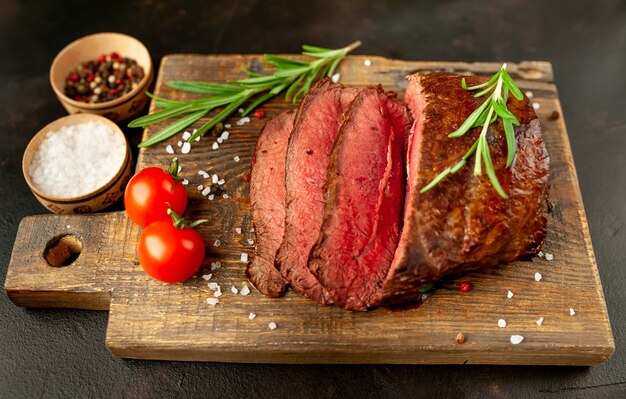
(364, 200)
(267, 201)
(314, 133)
(462, 223)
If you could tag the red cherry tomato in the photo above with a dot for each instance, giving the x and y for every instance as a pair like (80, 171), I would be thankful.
(168, 253)
(148, 193)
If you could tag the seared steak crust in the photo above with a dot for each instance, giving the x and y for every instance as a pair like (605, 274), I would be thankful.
(462, 223)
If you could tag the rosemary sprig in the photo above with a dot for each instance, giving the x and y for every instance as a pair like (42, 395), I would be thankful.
(500, 85)
(293, 76)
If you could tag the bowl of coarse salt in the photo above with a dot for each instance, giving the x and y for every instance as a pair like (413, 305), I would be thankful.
(80, 163)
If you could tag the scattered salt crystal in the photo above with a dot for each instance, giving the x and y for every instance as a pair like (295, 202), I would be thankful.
(186, 147)
(244, 257)
(501, 323)
(225, 135)
(251, 242)
(536, 105)
(227, 126)
(234, 290)
(367, 62)
(185, 182)
(516, 339)
(243, 121)
(77, 159)
(217, 243)
(215, 146)
(221, 182)
(539, 321)
(214, 179)
(186, 135)
(272, 325)
(335, 78)
(236, 158)
(245, 290)
(538, 276)
(571, 312)
(197, 138)
(225, 196)
(213, 286)
(207, 277)
(169, 149)
(241, 110)
(252, 230)
(217, 294)
(211, 197)
(69, 227)
(251, 316)
(549, 256)
(180, 143)
(200, 187)
(206, 191)
(529, 94)
(540, 254)
(203, 174)
(212, 301)
(216, 265)
(219, 140)
(179, 168)
(509, 294)
(238, 230)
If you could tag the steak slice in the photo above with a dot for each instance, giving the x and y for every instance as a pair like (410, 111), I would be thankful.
(311, 140)
(364, 200)
(267, 201)
(462, 223)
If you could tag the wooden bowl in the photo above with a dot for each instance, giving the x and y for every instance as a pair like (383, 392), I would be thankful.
(90, 48)
(100, 198)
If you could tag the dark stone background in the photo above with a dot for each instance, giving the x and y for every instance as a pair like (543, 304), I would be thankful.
(61, 353)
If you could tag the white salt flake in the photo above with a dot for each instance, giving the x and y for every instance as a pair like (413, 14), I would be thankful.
(238, 230)
(69, 227)
(179, 168)
(207, 277)
(243, 121)
(251, 316)
(215, 146)
(225, 135)
(186, 147)
(272, 325)
(186, 136)
(244, 290)
(236, 158)
(200, 187)
(251, 242)
(180, 143)
(367, 62)
(169, 149)
(197, 138)
(538, 276)
(185, 182)
(217, 243)
(241, 110)
(225, 196)
(219, 140)
(212, 301)
(244, 257)
(539, 321)
(252, 230)
(213, 286)
(516, 339)
(214, 179)
(536, 105)
(549, 256)
(571, 312)
(217, 294)
(216, 265)
(227, 126)
(529, 94)
(335, 78)
(221, 182)
(509, 294)
(206, 191)
(540, 254)
(234, 290)
(501, 323)
(211, 197)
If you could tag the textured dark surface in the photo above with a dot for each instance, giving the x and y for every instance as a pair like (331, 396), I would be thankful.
(50, 353)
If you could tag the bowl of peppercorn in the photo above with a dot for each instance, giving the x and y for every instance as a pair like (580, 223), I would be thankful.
(105, 74)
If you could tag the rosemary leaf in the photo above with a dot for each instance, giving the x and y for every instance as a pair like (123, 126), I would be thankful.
(173, 128)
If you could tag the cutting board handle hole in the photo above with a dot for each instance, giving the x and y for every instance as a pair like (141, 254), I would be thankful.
(62, 250)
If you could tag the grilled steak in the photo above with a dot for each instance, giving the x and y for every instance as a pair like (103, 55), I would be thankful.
(314, 132)
(267, 200)
(364, 200)
(462, 223)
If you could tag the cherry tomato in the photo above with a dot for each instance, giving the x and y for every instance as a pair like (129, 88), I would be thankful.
(148, 193)
(169, 253)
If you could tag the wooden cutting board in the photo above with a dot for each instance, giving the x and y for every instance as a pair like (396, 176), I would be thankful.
(151, 320)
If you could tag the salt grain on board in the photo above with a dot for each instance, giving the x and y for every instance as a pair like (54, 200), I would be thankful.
(238, 230)
(529, 94)
(200, 187)
(217, 294)
(221, 182)
(367, 62)
(501, 323)
(536, 105)
(219, 140)
(186, 136)
(206, 191)
(335, 78)
(213, 286)
(244, 290)
(236, 158)
(186, 147)
(169, 149)
(212, 301)
(251, 316)
(272, 325)
(571, 312)
(251, 242)
(540, 254)
(214, 179)
(216, 265)
(538, 276)
(539, 321)
(244, 257)
(516, 339)
(217, 243)
(207, 277)
(509, 294)
(225, 135)
(549, 256)
(211, 197)
(180, 143)
(227, 126)
(185, 182)
(225, 196)
(234, 290)
(215, 146)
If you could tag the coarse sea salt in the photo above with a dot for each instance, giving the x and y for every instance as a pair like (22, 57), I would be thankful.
(244, 290)
(77, 159)
(539, 321)
(215, 146)
(501, 323)
(234, 290)
(272, 325)
(516, 339)
(186, 135)
(169, 149)
(244, 257)
(572, 312)
(509, 294)
(335, 78)
(207, 277)
(549, 256)
(538, 276)
(367, 62)
(236, 158)
(186, 147)
(251, 316)
(216, 265)
(238, 230)
(212, 301)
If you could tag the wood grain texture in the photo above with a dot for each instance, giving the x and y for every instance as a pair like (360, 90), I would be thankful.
(150, 320)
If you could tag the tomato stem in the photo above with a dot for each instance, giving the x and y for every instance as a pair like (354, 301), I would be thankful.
(182, 223)
(173, 169)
